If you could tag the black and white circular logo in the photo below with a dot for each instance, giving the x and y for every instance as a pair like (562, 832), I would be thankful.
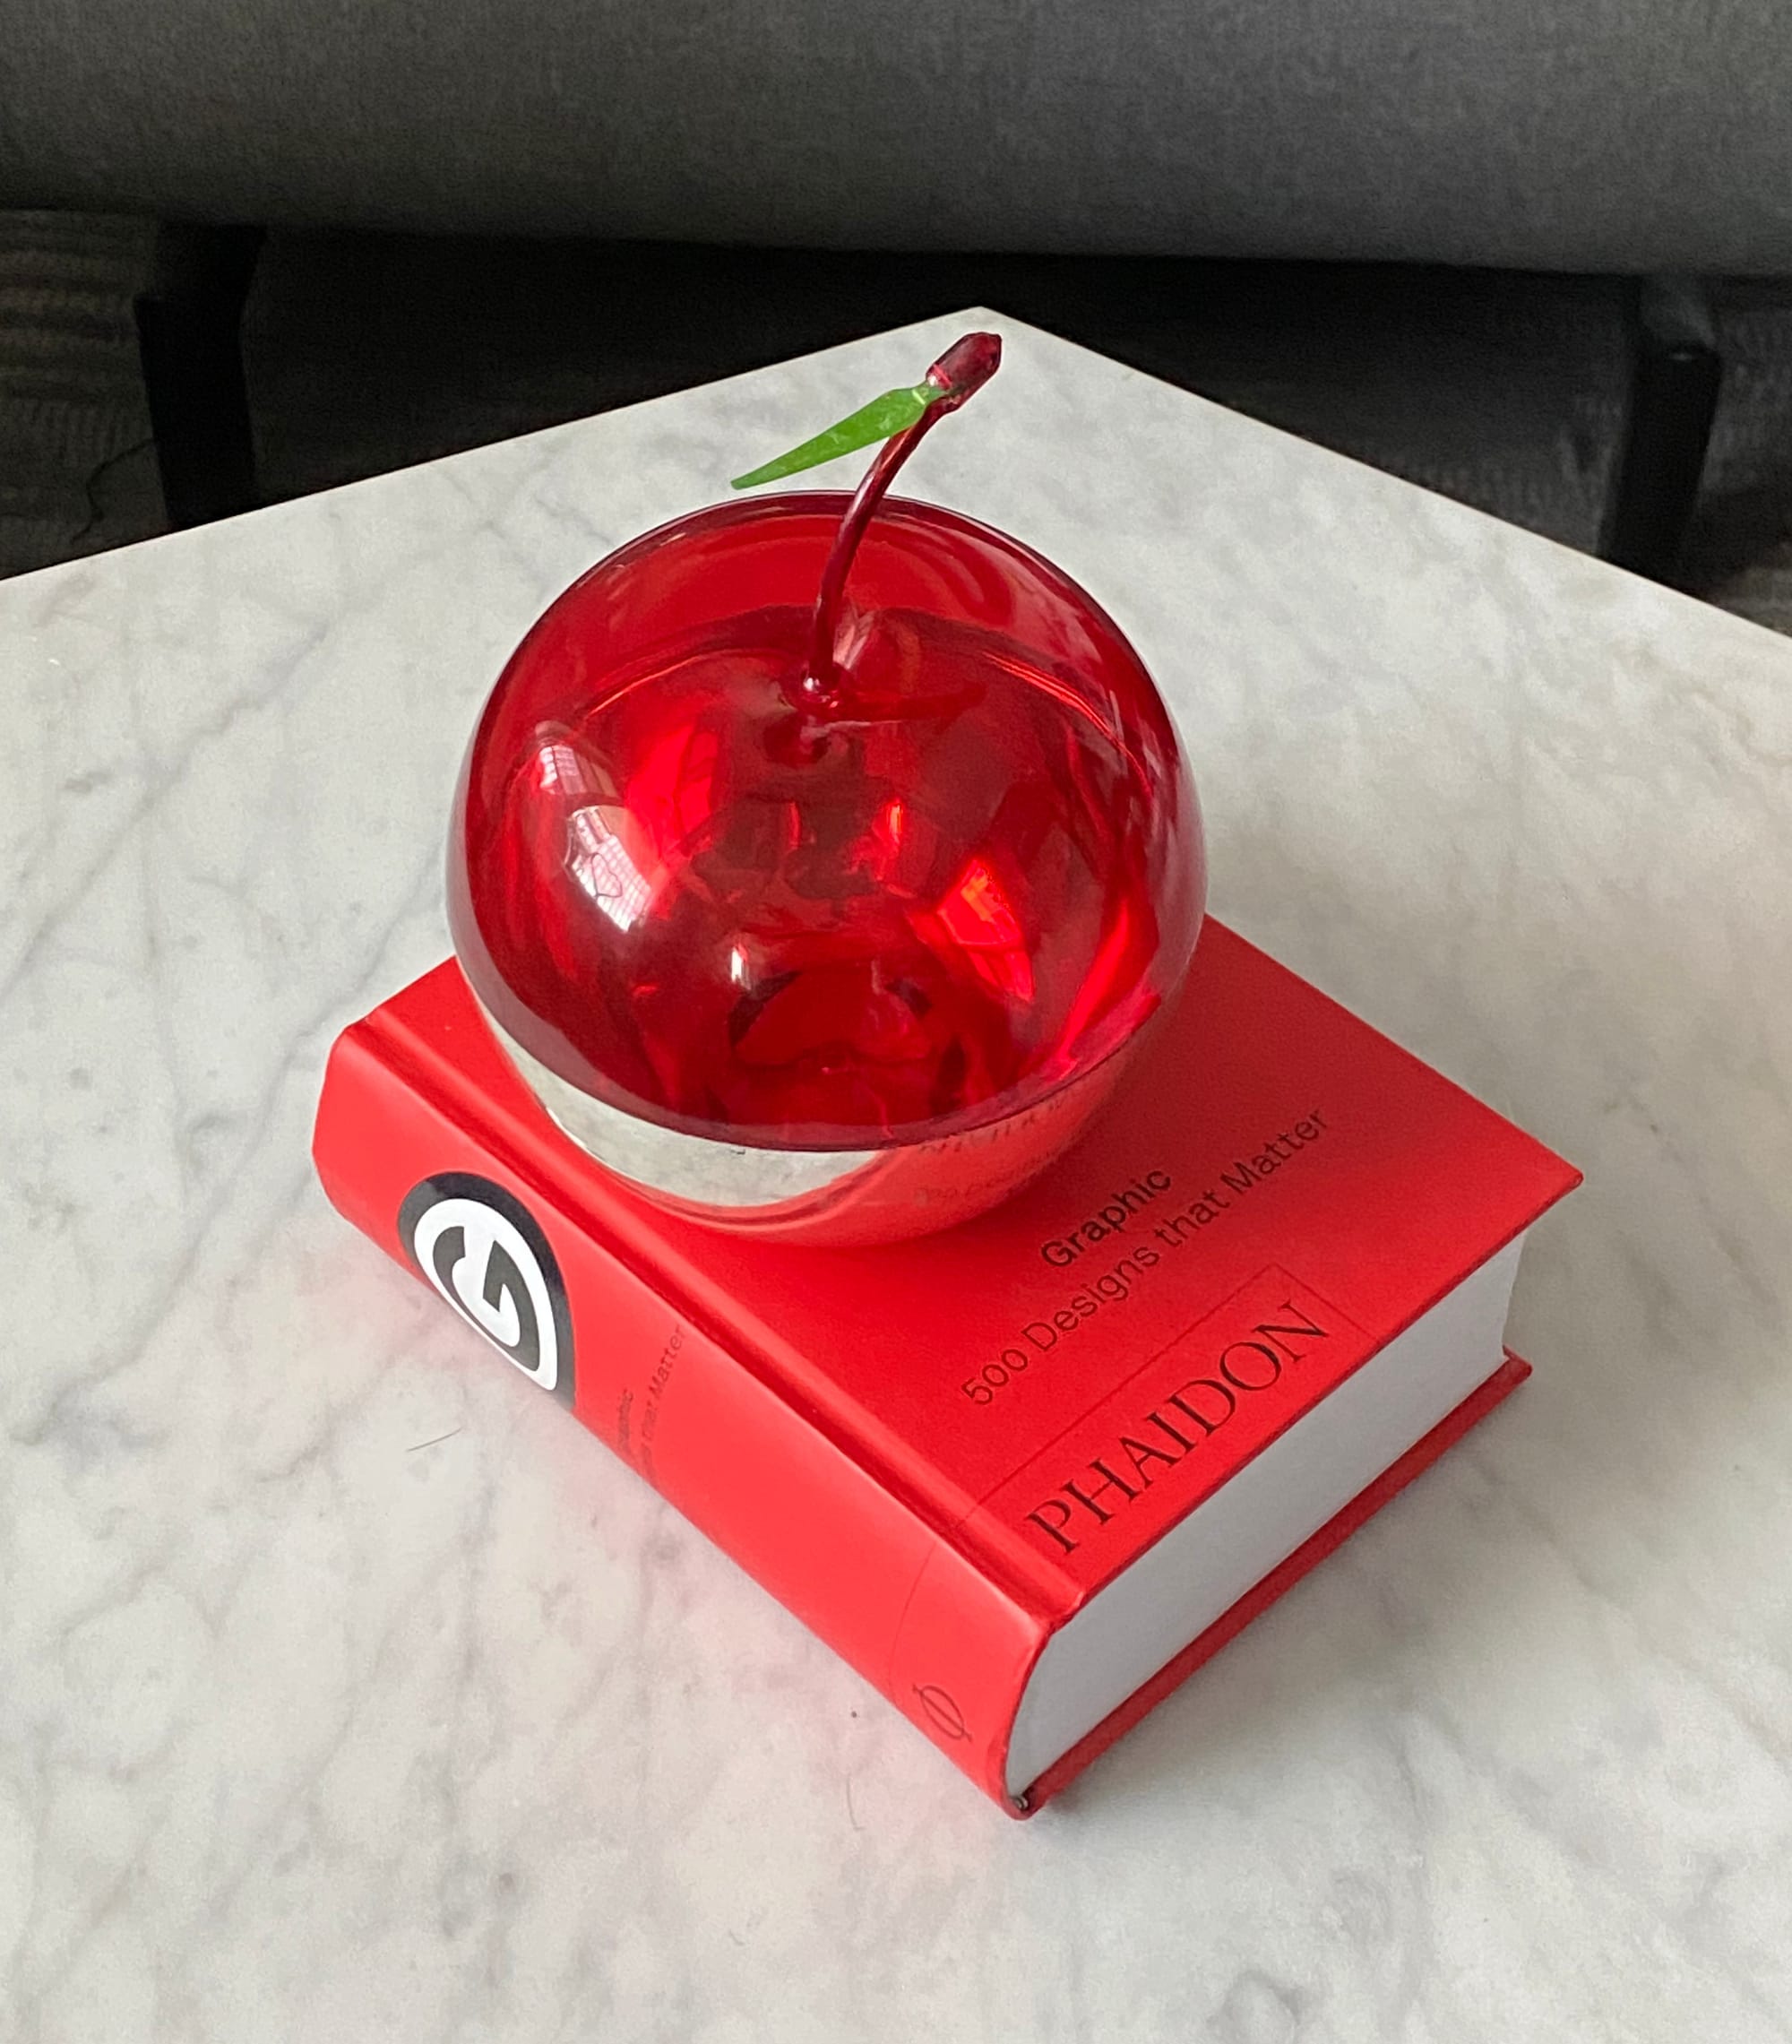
(481, 1249)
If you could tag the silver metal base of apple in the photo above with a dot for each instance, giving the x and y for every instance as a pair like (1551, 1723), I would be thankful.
(827, 1198)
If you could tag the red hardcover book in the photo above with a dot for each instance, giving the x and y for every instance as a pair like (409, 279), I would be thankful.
(1025, 1475)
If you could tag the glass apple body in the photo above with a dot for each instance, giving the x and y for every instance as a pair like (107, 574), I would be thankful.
(841, 973)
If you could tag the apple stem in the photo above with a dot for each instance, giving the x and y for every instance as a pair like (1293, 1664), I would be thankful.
(960, 373)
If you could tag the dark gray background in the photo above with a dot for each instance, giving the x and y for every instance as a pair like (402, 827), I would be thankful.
(370, 351)
(1576, 134)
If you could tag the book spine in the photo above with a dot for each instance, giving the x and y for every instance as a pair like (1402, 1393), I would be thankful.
(431, 1169)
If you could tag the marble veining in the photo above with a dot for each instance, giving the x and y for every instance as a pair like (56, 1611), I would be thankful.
(347, 1692)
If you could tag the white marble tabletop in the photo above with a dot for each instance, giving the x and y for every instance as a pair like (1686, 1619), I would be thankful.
(347, 1692)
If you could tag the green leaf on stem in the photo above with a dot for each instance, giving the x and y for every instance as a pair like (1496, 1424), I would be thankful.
(894, 412)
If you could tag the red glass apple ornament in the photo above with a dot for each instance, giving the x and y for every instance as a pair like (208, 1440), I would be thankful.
(818, 861)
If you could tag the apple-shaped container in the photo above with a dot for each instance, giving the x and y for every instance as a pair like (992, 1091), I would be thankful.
(820, 862)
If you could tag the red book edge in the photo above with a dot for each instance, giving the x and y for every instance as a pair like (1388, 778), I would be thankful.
(1282, 1578)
